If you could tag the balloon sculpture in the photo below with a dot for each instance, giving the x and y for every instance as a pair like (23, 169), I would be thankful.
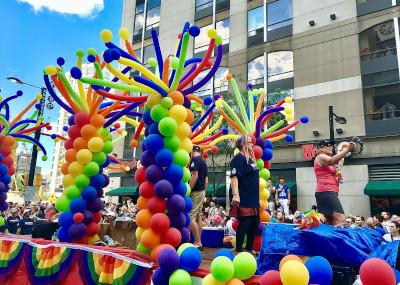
(12, 132)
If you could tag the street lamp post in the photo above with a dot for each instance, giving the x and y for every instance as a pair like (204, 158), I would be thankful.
(43, 91)
(339, 120)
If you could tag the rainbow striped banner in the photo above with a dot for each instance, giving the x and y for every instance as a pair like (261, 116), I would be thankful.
(11, 254)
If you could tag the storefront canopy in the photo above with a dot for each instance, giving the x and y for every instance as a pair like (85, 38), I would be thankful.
(122, 191)
(383, 188)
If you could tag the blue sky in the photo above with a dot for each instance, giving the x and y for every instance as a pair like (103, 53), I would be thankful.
(35, 32)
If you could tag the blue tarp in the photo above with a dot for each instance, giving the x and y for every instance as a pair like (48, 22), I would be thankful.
(345, 246)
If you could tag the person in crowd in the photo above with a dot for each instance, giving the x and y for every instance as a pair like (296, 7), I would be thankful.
(280, 217)
(205, 221)
(124, 215)
(12, 221)
(297, 216)
(245, 191)
(271, 199)
(25, 225)
(393, 234)
(359, 221)
(198, 184)
(282, 196)
(38, 214)
(212, 210)
(50, 212)
(327, 189)
(229, 227)
(3, 226)
(351, 222)
(386, 221)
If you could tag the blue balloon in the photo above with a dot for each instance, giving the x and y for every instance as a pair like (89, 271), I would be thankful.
(289, 138)
(78, 205)
(164, 158)
(63, 235)
(1, 157)
(174, 174)
(66, 219)
(2, 186)
(190, 259)
(154, 143)
(267, 154)
(97, 181)
(176, 204)
(225, 252)
(6, 179)
(89, 193)
(77, 231)
(187, 220)
(268, 144)
(180, 189)
(147, 118)
(71, 120)
(146, 132)
(160, 277)
(320, 270)
(188, 203)
(147, 159)
(153, 129)
(304, 119)
(397, 274)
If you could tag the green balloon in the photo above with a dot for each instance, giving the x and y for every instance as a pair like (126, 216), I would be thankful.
(142, 249)
(167, 126)
(181, 157)
(188, 189)
(72, 192)
(62, 204)
(110, 137)
(184, 246)
(167, 102)
(172, 143)
(264, 173)
(222, 268)
(91, 169)
(186, 175)
(180, 277)
(245, 265)
(158, 112)
(82, 181)
(260, 163)
(104, 132)
(99, 157)
(108, 147)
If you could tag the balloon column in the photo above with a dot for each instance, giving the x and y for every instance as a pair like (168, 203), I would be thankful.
(12, 132)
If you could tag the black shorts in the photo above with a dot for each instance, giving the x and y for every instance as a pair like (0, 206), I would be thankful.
(328, 202)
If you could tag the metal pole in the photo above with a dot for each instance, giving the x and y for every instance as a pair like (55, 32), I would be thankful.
(331, 130)
(32, 167)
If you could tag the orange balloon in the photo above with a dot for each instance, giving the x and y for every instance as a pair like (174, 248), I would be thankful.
(177, 97)
(150, 239)
(142, 203)
(64, 168)
(80, 143)
(235, 281)
(70, 155)
(189, 117)
(263, 205)
(159, 248)
(143, 218)
(8, 141)
(265, 217)
(88, 131)
(287, 258)
(97, 121)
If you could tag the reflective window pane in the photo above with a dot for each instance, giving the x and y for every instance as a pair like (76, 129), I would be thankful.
(148, 52)
(153, 3)
(223, 30)
(153, 18)
(255, 20)
(202, 40)
(206, 89)
(201, 4)
(255, 71)
(279, 14)
(280, 65)
(139, 22)
(220, 82)
(139, 7)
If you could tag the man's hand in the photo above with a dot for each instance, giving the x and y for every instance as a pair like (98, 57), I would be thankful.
(236, 199)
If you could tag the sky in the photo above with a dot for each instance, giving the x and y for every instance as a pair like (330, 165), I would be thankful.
(35, 33)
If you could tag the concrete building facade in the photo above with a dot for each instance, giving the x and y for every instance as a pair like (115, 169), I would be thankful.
(340, 53)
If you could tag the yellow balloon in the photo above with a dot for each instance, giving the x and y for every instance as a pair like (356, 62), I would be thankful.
(288, 110)
(178, 113)
(183, 130)
(294, 272)
(138, 233)
(75, 168)
(264, 194)
(288, 100)
(124, 33)
(93, 239)
(187, 144)
(289, 118)
(154, 99)
(210, 280)
(68, 180)
(235, 281)
(236, 151)
(263, 183)
(95, 144)
(106, 36)
(84, 156)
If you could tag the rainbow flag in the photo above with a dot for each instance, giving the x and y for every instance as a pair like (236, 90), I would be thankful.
(11, 254)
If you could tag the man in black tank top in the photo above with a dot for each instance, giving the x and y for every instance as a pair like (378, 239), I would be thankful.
(198, 185)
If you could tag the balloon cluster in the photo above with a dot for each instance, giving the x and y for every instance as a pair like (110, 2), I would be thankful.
(6, 168)
(175, 266)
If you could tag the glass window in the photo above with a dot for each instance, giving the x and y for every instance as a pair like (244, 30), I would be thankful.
(255, 21)
(148, 52)
(222, 28)
(220, 82)
(153, 3)
(153, 18)
(139, 7)
(202, 40)
(255, 71)
(202, 4)
(382, 103)
(280, 65)
(279, 14)
(206, 90)
(139, 23)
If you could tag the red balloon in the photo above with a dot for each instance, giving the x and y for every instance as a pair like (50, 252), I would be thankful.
(235, 224)
(81, 119)
(5, 150)
(78, 218)
(253, 139)
(205, 154)
(157, 205)
(11, 170)
(258, 152)
(140, 175)
(84, 240)
(376, 271)
(267, 164)
(271, 277)
(68, 144)
(159, 223)
(214, 149)
(257, 243)
(117, 125)
(74, 132)
(146, 189)
(8, 161)
(96, 217)
(92, 229)
(172, 237)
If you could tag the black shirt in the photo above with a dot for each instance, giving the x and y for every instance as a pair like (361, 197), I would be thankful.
(247, 174)
(198, 164)
(26, 225)
(12, 224)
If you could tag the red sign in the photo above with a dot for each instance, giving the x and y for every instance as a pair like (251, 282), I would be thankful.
(309, 151)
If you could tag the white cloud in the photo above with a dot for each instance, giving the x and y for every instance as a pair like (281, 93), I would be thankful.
(81, 8)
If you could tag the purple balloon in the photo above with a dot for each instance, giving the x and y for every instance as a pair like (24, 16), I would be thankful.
(77, 231)
(71, 120)
(154, 173)
(260, 142)
(176, 204)
(106, 180)
(147, 159)
(260, 229)
(168, 260)
(186, 102)
(185, 233)
(160, 277)
(100, 192)
(3, 196)
(163, 188)
(87, 217)
(95, 206)
(2, 186)
(177, 221)
(3, 206)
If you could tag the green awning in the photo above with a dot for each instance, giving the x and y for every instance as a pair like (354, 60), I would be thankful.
(219, 192)
(383, 188)
(122, 191)
(293, 188)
